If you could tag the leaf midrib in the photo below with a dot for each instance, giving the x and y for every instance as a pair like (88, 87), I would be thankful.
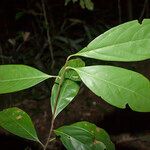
(118, 44)
(18, 79)
(113, 84)
(36, 139)
(64, 97)
(72, 136)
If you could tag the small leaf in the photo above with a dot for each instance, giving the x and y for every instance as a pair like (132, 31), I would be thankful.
(67, 1)
(118, 86)
(84, 136)
(18, 77)
(82, 4)
(87, 4)
(69, 90)
(19, 123)
(126, 42)
(19, 15)
(71, 74)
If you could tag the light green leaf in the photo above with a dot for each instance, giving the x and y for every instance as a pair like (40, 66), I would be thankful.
(117, 86)
(84, 136)
(69, 90)
(126, 42)
(18, 122)
(18, 77)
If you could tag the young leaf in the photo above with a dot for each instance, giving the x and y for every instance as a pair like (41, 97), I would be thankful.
(18, 77)
(71, 74)
(69, 90)
(84, 136)
(118, 86)
(126, 42)
(18, 122)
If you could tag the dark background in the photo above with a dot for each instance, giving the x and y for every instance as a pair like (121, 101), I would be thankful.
(23, 40)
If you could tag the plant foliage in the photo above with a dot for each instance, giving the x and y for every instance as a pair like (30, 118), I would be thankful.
(117, 86)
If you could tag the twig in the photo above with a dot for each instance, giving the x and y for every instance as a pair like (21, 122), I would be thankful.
(119, 11)
(147, 11)
(1, 53)
(56, 102)
(130, 14)
(20, 46)
(143, 11)
(48, 35)
(41, 143)
(50, 132)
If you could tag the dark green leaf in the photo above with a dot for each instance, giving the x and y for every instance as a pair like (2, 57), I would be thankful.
(84, 136)
(18, 77)
(118, 86)
(18, 122)
(126, 42)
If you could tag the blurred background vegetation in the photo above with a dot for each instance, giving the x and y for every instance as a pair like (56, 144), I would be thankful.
(42, 33)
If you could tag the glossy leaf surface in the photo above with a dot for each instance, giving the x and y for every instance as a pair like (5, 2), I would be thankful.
(84, 136)
(18, 122)
(118, 86)
(69, 90)
(126, 42)
(18, 77)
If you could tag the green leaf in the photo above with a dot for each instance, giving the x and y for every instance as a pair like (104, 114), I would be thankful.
(18, 77)
(84, 136)
(126, 42)
(69, 90)
(118, 86)
(87, 4)
(18, 122)
(71, 74)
